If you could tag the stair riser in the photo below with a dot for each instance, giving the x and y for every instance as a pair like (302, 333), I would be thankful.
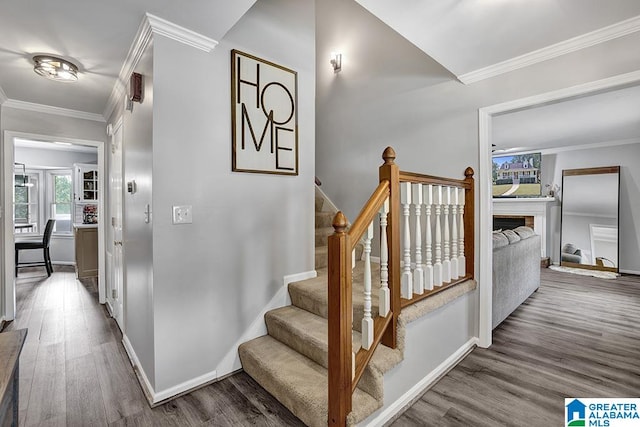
(322, 235)
(324, 219)
(321, 260)
(319, 203)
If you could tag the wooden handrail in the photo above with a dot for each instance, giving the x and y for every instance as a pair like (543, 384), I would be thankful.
(435, 180)
(369, 211)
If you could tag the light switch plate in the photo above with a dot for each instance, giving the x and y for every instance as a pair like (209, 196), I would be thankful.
(182, 214)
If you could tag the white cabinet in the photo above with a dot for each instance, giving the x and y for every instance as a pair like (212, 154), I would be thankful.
(86, 183)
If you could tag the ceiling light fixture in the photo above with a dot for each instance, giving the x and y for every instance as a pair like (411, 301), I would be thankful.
(55, 68)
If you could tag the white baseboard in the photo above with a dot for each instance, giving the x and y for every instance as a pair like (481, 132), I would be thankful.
(109, 308)
(231, 361)
(637, 273)
(184, 387)
(156, 397)
(406, 399)
(142, 376)
(63, 263)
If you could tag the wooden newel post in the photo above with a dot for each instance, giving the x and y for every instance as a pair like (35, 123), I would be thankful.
(389, 171)
(469, 224)
(340, 320)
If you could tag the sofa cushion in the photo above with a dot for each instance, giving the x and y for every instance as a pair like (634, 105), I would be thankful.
(499, 240)
(512, 236)
(524, 232)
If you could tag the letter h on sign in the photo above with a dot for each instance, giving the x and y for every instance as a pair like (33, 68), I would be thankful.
(264, 116)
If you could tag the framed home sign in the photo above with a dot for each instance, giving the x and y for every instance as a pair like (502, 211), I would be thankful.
(264, 116)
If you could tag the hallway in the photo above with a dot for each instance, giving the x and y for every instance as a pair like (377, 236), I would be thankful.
(74, 370)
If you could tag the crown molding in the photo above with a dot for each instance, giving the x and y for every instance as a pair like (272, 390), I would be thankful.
(3, 96)
(48, 109)
(150, 25)
(180, 34)
(601, 35)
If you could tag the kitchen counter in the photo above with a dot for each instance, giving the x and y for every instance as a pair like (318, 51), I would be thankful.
(79, 225)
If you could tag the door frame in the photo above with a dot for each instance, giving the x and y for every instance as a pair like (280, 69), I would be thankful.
(8, 248)
(485, 116)
(118, 125)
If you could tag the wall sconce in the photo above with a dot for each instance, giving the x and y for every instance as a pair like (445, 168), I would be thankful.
(336, 62)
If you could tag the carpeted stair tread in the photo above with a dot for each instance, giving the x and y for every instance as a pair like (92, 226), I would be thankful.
(307, 334)
(312, 294)
(296, 381)
(319, 203)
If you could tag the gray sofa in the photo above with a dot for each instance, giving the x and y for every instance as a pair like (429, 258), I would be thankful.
(516, 270)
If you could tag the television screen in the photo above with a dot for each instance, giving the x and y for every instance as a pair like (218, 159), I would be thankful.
(517, 175)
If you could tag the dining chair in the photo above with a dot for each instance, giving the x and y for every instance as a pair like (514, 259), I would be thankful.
(36, 244)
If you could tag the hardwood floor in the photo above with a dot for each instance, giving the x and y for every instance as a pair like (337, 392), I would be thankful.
(74, 370)
(577, 336)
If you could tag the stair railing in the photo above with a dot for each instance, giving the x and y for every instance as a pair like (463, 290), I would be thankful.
(448, 259)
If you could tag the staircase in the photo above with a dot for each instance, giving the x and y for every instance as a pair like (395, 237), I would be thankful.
(291, 361)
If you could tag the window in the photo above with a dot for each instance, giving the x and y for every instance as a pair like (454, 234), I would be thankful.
(26, 202)
(60, 199)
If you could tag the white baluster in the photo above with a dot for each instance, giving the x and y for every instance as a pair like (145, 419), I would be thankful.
(462, 262)
(406, 281)
(428, 269)
(418, 272)
(367, 321)
(446, 263)
(437, 266)
(384, 302)
(454, 233)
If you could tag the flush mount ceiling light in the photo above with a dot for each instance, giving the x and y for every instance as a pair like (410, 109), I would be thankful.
(55, 68)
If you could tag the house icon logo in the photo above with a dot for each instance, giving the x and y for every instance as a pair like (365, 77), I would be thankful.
(576, 413)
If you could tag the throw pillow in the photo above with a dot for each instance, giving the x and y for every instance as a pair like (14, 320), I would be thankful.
(500, 240)
(524, 232)
(512, 236)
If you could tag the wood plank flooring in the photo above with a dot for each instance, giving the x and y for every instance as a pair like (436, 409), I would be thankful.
(74, 370)
(577, 336)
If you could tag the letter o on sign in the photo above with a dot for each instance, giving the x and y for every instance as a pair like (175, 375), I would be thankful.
(274, 97)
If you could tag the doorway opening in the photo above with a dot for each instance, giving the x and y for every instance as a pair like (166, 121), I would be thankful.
(485, 117)
(51, 189)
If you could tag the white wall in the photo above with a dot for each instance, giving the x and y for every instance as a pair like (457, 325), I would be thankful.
(625, 156)
(137, 151)
(192, 290)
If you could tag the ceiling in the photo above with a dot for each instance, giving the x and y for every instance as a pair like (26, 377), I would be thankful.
(606, 118)
(96, 36)
(465, 36)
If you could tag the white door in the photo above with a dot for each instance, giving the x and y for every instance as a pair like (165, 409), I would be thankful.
(116, 291)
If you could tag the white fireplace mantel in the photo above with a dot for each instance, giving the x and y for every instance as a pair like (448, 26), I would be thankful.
(529, 206)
